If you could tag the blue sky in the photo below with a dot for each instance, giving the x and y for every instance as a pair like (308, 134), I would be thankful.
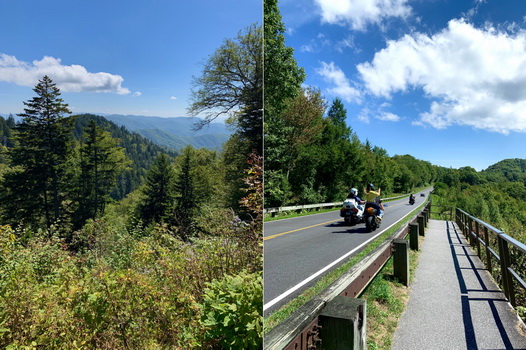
(123, 57)
(442, 80)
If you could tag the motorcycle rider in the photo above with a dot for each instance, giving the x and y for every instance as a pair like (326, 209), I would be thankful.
(370, 197)
(412, 198)
(354, 195)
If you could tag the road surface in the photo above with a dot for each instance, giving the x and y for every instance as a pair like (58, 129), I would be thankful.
(298, 251)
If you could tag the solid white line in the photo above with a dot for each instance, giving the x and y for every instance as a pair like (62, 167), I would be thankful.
(310, 278)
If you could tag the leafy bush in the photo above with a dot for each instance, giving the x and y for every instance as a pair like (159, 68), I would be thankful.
(232, 311)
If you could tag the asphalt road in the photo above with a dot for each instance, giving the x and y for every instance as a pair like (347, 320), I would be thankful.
(300, 250)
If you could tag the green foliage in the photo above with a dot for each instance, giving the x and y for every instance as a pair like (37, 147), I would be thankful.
(121, 290)
(36, 186)
(101, 161)
(232, 311)
(158, 192)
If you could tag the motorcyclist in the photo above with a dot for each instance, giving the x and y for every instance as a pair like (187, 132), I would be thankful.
(370, 197)
(412, 198)
(354, 195)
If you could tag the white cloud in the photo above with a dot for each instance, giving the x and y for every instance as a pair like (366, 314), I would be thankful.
(474, 76)
(388, 116)
(334, 75)
(173, 98)
(366, 114)
(137, 93)
(359, 13)
(74, 78)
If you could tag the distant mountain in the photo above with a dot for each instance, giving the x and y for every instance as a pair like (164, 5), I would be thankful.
(175, 132)
(513, 170)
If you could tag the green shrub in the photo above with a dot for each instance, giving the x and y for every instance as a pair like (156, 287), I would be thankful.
(232, 311)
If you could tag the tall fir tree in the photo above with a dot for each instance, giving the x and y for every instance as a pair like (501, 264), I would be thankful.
(159, 192)
(101, 161)
(186, 201)
(37, 188)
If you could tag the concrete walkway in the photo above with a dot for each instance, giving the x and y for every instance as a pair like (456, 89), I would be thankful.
(454, 303)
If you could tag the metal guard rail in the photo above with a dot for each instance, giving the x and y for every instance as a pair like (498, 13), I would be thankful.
(477, 233)
(311, 206)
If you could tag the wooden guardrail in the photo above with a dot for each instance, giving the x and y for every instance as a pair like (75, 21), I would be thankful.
(511, 257)
(301, 330)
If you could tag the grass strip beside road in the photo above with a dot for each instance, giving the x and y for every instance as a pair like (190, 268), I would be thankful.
(386, 301)
(285, 311)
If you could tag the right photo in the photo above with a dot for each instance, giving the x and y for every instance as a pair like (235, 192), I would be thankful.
(394, 174)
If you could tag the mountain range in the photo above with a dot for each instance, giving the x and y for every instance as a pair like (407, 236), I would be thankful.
(175, 133)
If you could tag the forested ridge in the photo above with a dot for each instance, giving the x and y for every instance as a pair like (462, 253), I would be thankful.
(138, 149)
(108, 241)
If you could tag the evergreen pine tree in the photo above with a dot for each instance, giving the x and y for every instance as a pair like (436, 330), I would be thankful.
(101, 162)
(36, 189)
(186, 201)
(158, 192)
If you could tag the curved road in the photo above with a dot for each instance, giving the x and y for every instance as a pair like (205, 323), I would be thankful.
(298, 251)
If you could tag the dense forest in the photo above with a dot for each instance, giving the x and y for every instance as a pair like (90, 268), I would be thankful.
(108, 241)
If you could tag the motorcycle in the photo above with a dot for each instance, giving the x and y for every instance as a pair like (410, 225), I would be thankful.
(372, 220)
(411, 200)
(352, 212)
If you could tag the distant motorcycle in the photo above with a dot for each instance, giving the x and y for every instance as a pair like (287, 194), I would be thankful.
(352, 212)
(411, 199)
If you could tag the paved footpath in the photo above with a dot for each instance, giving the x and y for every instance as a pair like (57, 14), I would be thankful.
(454, 303)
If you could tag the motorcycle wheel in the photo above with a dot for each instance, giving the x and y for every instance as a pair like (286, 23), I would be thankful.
(369, 224)
(347, 220)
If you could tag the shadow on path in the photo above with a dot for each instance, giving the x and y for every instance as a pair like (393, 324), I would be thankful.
(460, 254)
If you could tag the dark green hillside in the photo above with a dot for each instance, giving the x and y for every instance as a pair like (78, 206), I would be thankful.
(513, 170)
(138, 149)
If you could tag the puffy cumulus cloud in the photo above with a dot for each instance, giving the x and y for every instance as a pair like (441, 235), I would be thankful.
(74, 78)
(474, 76)
(358, 13)
(334, 75)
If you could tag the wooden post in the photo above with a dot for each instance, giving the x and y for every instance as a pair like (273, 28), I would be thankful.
(401, 261)
(421, 227)
(507, 279)
(477, 235)
(413, 235)
(342, 324)
(488, 253)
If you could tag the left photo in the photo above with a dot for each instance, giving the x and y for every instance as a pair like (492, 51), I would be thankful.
(131, 175)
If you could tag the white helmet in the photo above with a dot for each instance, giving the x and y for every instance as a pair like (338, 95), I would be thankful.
(354, 191)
